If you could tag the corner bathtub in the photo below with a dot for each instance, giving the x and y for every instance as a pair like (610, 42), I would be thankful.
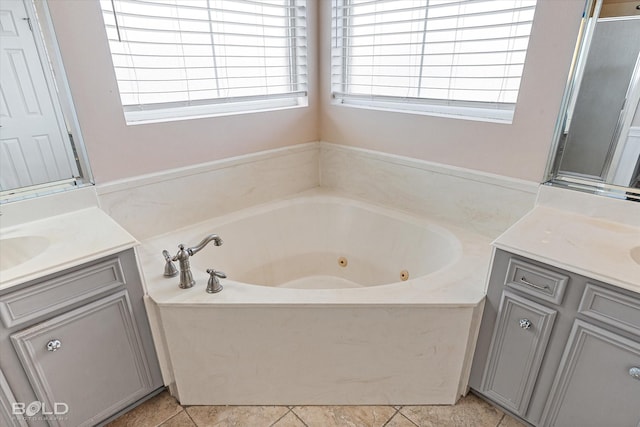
(328, 300)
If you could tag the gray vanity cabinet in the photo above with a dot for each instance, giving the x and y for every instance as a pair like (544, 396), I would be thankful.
(519, 341)
(596, 385)
(91, 359)
(78, 341)
(556, 348)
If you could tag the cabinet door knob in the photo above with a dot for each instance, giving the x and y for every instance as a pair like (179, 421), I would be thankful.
(635, 373)
(53, 345)
(525, 323)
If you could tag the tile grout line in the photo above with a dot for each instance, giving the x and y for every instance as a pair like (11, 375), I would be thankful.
(392, 416)
(409, 419)
(283, 415)
(298, 417)
(502, 418)
(189, 415)
(406, 417)
(171, 417)
(174, 415)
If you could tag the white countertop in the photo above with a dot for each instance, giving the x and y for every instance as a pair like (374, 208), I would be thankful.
(34, 249)
(593, 247)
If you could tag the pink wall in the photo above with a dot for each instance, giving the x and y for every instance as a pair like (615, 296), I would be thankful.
(118, 151)
(517, 150)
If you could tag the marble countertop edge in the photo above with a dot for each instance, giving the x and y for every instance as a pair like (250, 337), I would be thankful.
(590, 273)
(52, 269)
(74, 238)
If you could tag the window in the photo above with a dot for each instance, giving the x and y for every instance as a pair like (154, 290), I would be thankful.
(451, 57)
(178, 58)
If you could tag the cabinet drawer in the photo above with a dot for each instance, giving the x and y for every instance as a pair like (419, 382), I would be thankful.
(22, 306)
(612, 308)
(540, 282)
(598, 381)
(90, 359)
(517, 347)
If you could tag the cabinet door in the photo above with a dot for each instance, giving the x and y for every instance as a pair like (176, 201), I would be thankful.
(89, 359)
(596, 384)
(518, 344)
(7, 401)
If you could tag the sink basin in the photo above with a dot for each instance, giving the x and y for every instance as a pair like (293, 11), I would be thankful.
(635, 254)
(18, 250)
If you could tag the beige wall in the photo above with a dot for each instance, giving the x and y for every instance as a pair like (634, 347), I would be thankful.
(118, 151)
(518, 150)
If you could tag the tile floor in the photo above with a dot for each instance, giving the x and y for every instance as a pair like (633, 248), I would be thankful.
(164, 411)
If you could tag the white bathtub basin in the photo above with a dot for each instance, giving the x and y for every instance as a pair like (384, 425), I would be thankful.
(294, 246)
(328, 244)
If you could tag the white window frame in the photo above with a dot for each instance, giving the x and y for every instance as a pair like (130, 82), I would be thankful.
(171, 111)
(468, 110)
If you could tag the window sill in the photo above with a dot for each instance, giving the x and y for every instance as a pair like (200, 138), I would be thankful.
(500, 116)
(140, 117)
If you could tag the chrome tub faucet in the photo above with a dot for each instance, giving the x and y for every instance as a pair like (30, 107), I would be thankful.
(186, 278)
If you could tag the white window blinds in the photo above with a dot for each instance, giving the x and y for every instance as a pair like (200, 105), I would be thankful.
(172, 57)
(411, 53)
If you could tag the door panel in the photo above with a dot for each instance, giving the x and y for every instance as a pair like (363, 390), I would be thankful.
(34, 145)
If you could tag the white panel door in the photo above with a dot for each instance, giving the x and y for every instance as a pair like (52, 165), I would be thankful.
(34, 145)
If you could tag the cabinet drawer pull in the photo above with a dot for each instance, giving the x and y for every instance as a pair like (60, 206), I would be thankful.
(53, 345)
(533, 285)
(635, 373)
(525, 323)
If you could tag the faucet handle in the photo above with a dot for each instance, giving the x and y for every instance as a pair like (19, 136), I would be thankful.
(170, 269)
(214, 286)
(216, 273)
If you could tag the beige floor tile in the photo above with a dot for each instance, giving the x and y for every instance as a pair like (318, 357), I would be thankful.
(399, 420)
(344, 416)
(289, 420)
(509, 421)
(180, 420)
(151, 413)
(241, 416)
(470, 411)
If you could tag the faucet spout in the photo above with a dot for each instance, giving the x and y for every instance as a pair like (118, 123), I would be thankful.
(210, 238)
(183, 255)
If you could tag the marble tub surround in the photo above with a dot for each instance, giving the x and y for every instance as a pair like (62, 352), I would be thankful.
(586, 234)
(482, 202)
(330, 331)
(165, 412)
(157, 203)
(57, 243)
(152, 204)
